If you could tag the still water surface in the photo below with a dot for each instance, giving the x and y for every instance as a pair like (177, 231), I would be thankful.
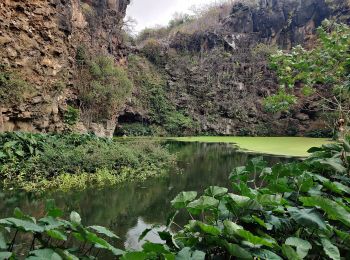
(133, 207)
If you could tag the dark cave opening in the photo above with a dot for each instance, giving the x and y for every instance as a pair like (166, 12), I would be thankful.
(128, 119)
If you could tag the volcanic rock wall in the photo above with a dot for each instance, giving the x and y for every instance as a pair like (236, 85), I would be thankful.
(39, 41)
(221, 76)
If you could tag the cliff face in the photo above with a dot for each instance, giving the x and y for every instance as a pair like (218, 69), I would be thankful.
(39, 42)
(220, 76)
(286, 23)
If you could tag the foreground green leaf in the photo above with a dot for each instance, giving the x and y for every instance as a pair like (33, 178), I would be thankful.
(202, 204)
(332, 208)
(182, 199)
(307, 217)
(44, 254)
(331, 250)
(104, 231)
(301, 245)
(187, 254)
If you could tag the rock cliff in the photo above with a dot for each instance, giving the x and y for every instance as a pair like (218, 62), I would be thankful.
(286, 23)
(38, 44)
(220, 75)
(216, 75)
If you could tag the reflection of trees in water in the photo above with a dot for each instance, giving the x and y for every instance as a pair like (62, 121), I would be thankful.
(119, 208)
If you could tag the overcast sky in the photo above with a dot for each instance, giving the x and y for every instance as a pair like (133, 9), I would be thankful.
(149, 13)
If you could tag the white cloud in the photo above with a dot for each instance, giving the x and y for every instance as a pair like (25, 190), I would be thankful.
(149, 13)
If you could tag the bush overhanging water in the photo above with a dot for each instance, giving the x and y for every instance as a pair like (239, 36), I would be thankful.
(37, 161)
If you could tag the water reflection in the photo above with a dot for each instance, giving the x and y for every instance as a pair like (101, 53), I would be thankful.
(132, 236)
(131, 208)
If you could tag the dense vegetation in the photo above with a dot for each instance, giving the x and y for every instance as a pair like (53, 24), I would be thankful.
(102, 86)
(324, 71)
(161, 116)
(290, 211)
(71, 161)
(13, 89)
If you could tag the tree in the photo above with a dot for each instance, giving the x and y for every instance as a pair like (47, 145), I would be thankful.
(323, 71)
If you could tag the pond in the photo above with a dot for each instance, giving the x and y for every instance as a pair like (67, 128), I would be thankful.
(131, 208)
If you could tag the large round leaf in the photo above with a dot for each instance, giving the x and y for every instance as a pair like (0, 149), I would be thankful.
(307, 217)
(331, 250)
(301, 245)
(104, 231)
(24, 225)
(183, 198)
(215, 191)
(44, 254)
(202, 204)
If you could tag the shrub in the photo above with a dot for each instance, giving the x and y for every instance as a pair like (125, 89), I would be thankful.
(20, 146)
(323, 70)
(81, 55)
(103, 88)
(71, 117)
(282, 101)
(153, 51)
(177, 124)
(206, 18)
(13, 90)
(90, 14)
(180, 19)
(155, 33)
(320, 133)
(28, 158)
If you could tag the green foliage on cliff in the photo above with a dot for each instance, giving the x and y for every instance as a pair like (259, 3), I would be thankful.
(13, 89)
(152, 49)
(324, 70)
(71, 116)
(102, 86)
(37, 161)
(152, 97)
(282, 101)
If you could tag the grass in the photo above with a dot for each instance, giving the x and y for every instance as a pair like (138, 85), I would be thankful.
(287, 146)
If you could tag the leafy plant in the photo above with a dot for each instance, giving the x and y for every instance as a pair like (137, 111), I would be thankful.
(323, 71)
(152, 49)
(103, 87)
(297, 210)
(20, 146)
(71, 117)
(53, 237)
(38, 161)
(282, 101)
(13, 89)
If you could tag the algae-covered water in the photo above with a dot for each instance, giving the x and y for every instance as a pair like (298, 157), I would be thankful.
(287, 146)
